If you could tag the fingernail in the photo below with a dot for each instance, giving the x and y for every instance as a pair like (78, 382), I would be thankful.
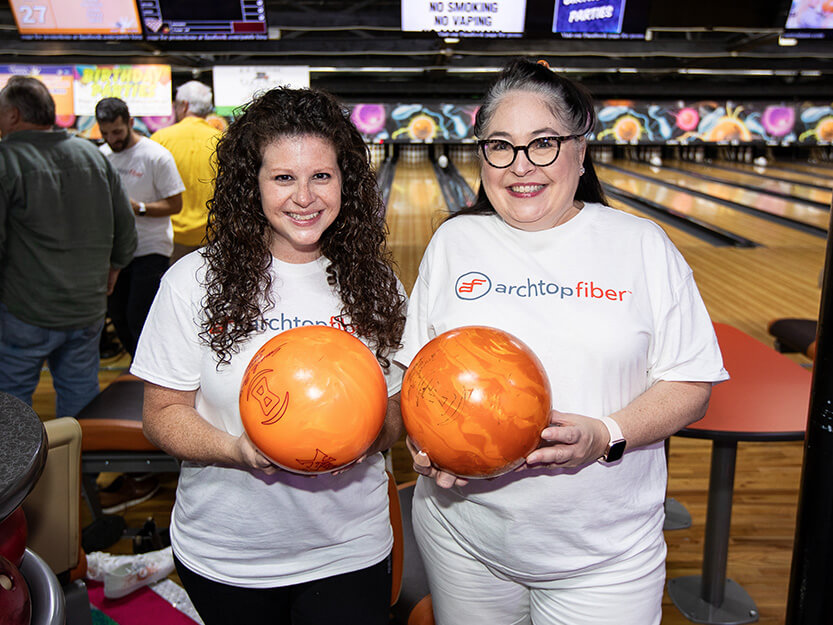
(422, 453)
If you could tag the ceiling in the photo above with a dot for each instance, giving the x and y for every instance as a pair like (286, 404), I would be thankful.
(708, 48)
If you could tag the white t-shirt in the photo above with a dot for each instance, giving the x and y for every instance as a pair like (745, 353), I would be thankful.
(610, 307)
(238, 526)
(149, 173)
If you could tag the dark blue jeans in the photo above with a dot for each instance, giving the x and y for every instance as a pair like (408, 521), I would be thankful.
(132, 296)
(358, 598)
(72, 356)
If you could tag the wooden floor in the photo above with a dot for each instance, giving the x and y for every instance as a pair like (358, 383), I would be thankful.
(742, 287)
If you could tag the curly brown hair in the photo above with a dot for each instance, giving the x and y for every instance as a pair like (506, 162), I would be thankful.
(238, 255)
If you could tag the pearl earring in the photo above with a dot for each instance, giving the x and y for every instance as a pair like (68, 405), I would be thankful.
(581, 171)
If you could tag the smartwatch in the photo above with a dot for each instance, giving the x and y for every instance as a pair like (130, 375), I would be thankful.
(142, 209)
(616, 446)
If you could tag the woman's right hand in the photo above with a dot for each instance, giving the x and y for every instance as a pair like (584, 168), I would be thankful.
(250, 457)
(423, 466)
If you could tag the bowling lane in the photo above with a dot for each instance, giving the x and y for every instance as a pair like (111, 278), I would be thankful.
(749, 287)
(470, 170)
(765, 184)
(799, 177)
(680, 238)
(817, 169)
(758, 229)
(766, 203)
(415, 209)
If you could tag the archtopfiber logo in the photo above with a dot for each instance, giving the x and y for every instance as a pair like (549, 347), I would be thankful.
(475, 284)
(472, 285)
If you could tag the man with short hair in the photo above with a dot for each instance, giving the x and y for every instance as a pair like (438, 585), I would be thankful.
(150, 176)
(66, 229)
(192, 141)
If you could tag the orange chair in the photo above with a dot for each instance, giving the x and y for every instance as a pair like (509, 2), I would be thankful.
(113, 439)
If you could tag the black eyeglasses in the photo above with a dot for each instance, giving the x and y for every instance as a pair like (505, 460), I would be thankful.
(540, 152)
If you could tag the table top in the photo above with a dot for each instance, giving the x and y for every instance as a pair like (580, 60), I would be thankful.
(23, 451)
(767, 397)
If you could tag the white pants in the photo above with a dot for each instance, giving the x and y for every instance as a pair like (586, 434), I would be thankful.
(465, 591)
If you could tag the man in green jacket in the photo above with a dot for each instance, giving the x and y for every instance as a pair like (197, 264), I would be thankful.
(66, 228)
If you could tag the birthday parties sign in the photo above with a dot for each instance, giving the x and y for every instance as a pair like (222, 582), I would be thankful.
(588, 16)
(145, 88)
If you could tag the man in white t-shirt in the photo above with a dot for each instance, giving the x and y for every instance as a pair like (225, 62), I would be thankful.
(150, 176)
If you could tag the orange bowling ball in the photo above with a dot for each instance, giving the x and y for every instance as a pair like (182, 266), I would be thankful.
(476, 399)
(313, 399)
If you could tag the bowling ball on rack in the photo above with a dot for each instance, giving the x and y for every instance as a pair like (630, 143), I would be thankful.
(15, 602)
(313, 399)
(476, 399)
(13, 533)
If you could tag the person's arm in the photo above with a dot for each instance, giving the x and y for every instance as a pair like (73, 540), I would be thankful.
(391, 429)
(170, 421)
(112, 276)
(160, 208)
(664, 409)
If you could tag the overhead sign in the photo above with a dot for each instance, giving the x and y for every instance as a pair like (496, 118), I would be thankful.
(58, 80)
(145, 88)
(235, 85)
(464, 18)
(76, 19)
(588, 16)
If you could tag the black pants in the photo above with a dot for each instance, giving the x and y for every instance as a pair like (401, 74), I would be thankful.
(358, 598)
(132, 296)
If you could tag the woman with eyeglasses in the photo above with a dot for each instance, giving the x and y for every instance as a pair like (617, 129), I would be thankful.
(574, 536)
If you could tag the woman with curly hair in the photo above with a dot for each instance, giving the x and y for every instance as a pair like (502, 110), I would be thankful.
(296, 236)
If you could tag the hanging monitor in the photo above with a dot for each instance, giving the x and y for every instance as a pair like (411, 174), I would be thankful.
(810, 19)
(600, 19)
(76, 19)
(203, 20)
(498, 18)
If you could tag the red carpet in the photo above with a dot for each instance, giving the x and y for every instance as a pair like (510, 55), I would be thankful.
(138, 608)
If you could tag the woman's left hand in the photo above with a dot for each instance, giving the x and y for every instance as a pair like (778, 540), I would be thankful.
(571, 440)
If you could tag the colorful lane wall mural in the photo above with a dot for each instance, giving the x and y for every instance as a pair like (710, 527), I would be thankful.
(148, 91)
(414, 122)
(727, 123)
(621, 121)
(710, 121)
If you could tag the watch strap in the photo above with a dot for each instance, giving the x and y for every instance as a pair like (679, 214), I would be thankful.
(616, 439)
(612, 428)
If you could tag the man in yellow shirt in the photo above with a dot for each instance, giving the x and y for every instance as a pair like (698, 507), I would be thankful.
(192, 141)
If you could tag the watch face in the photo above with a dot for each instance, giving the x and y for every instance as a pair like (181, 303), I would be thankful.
(615, 451)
